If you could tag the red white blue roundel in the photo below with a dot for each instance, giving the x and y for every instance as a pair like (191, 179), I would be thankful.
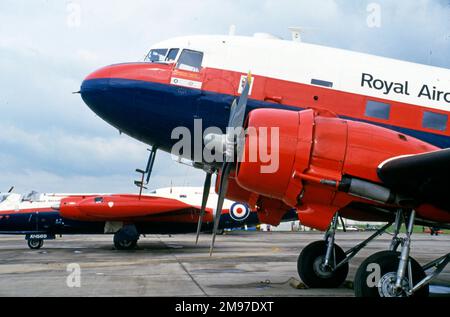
(239, 212)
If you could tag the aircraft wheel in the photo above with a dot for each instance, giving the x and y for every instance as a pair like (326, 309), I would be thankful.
(35, 244)
(121, 244)
(377, 275)
(311, 270)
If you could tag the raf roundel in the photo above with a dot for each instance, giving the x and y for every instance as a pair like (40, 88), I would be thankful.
(239, 212)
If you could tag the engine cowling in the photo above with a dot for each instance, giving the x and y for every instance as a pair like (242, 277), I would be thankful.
(316, 159)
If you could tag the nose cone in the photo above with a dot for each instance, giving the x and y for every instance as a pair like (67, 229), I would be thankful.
(137, 99)
(110, 93)
(94, 90)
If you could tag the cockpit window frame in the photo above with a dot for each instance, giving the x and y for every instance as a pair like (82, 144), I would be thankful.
(4, 197)
(175, 60)
(32, 196)
(196, 68)
(99, 200)
(148, 59)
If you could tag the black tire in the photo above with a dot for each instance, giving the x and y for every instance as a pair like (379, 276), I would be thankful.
(309, 271)
(388, 262)
(121, 244)
(35, 244)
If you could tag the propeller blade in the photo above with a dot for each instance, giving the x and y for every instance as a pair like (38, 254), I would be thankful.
(235, 136)
(232, 112)
(237, 115)
(206, 190)
(223, 187)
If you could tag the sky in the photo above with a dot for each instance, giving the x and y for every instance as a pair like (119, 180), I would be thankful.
(51, 141)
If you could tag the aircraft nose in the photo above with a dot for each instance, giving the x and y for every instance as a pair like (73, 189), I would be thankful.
(138, 100)
(94, 90)
(110, 92)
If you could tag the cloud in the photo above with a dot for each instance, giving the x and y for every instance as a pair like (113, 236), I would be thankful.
(45, 181)
(55, 149)
(49, 140)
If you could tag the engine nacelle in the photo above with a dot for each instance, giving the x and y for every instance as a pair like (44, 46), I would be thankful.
(319, 159)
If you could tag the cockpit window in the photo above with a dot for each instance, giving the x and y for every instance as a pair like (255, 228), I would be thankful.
(190, 60)
(98, 200)
(3, 197)
(172, 56)
(156, 55)
(32, 196)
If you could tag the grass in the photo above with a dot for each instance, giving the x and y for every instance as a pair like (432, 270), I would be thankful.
(417, 229)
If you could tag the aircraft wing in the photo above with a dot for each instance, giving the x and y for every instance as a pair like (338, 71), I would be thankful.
(426, 176)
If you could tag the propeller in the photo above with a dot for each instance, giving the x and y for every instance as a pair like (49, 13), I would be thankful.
(233, 144)
(223, 187)
(206, 190)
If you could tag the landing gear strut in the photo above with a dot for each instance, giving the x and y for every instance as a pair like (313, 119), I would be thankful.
(384, 274)
(396, 274)
(321, 264)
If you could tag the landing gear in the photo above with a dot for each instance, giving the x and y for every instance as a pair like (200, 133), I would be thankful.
(314, 273)
(124, 244)
(126, 238)
(35, 244)
(322, 263)
(377, 277)
(384, 274)
(396, 274)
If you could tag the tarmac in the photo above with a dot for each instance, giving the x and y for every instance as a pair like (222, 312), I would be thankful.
(243, 264)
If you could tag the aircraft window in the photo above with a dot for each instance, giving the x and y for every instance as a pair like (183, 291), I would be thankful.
(324, 83)
(190, 60)
(172, 56)
(3, 197)
(435, 121)
(98, 200)
(32, 196)
(378, 110)
(156, 55)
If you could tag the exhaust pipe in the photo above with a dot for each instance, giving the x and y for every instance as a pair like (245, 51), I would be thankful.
(374, 192)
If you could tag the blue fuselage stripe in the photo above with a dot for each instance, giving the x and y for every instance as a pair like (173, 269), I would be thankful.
(150, 111)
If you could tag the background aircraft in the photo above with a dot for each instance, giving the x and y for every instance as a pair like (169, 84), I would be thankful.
(360, 137)
(165, 211)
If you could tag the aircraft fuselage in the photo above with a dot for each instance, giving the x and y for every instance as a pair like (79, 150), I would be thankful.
(149, 100)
